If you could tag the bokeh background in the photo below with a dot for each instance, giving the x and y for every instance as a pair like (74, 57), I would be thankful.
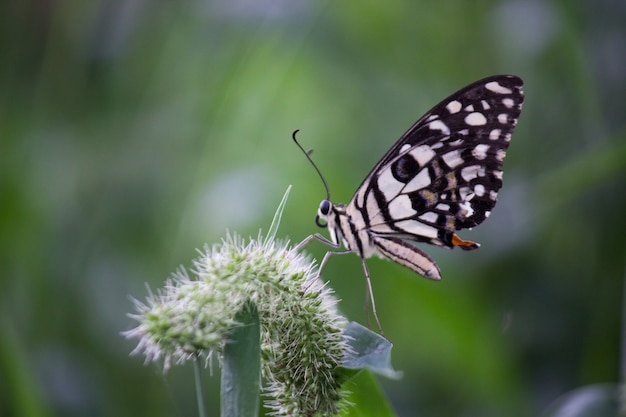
(134, 131)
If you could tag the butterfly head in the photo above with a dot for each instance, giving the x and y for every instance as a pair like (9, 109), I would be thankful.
(328, 215)
(322, 213)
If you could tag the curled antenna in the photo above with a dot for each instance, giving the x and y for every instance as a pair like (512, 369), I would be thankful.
(308, 156)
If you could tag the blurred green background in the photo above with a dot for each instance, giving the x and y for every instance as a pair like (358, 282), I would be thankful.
(134, 131)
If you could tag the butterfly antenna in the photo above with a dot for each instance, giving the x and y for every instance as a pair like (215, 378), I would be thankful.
(308, 156)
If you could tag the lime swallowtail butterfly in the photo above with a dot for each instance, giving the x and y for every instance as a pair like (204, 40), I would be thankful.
(441, 176)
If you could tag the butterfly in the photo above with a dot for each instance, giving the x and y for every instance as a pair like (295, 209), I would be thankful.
(441, 176)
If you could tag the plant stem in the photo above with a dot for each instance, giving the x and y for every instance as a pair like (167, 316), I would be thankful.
(199, 387)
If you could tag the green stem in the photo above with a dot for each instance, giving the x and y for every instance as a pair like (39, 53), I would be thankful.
(199, 387)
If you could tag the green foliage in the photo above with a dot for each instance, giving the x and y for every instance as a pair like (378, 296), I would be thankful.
(367, 397)
(241, 367)
(371, 351)
(271, 233)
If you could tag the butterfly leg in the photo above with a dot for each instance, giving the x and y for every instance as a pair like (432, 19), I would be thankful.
(327, 257)
(369, 295)
(316, 236)
(328, 254)
(369, 298)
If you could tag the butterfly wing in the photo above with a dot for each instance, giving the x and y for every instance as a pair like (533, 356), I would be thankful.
(444, 173)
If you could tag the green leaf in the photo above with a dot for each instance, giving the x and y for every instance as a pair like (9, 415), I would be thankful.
(599, 400)
(369, 350)
(241, 368)
(366, 398)
(271, 233)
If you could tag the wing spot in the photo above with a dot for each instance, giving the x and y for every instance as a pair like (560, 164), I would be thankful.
(388, 184)
(498, 174)
(466, 194)
(452, 182)
(404, 148)
(503, 118)
(493, 195)
(422, 154)
(429, 217)
(434, 169)
(436, 145)
(508, 102)
(495, 134)
(500, 155)
(404, 168)
(450, 226)
(429, 197)
(480, 151)
(443, 207)
(486, 105)
(479, 190)
(421, 180)
(466, 209)
(400, 207)
(473, 171)
(497, 88)
(439, 125)
(469, 108)
(454, 106)
(453, 159)
(476, 119)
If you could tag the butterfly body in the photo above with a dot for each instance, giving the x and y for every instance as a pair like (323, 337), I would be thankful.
(366, 243)
(441, 176)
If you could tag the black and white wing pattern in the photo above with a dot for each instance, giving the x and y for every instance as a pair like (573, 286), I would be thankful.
(441, 176)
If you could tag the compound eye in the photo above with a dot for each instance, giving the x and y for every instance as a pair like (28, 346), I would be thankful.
(322, 213)
(324, 207)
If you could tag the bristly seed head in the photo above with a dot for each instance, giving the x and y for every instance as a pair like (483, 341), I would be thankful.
(301, 332)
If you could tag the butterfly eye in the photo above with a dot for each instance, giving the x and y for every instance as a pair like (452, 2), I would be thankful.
(322, 213)
(324, 207)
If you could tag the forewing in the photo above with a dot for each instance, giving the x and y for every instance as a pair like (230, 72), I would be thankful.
(444, 173)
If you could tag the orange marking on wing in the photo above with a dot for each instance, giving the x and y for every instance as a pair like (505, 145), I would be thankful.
(464, 244)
